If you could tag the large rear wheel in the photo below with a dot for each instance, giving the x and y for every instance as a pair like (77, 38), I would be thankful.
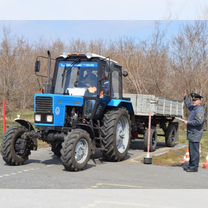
(116, 134)
(76, 150)
(15, 148)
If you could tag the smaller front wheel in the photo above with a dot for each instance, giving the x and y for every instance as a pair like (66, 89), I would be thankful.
(76, 150)
(15, 148)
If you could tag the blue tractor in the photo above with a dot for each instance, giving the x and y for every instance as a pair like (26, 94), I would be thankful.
(81, 110)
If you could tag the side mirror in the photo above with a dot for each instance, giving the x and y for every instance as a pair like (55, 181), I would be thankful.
(37, 66)
(125, 73)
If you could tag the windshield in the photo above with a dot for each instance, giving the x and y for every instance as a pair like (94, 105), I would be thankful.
(76, 75)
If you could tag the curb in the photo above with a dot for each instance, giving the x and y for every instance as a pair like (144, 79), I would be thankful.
(158, 152)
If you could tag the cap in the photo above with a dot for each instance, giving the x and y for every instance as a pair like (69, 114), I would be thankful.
(196, 96)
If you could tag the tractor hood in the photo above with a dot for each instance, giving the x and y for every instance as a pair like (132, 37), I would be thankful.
(54, 104)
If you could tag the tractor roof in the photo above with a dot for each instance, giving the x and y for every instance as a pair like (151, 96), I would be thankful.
(87, 55)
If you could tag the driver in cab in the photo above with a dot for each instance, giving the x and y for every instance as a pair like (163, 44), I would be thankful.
(90, 81)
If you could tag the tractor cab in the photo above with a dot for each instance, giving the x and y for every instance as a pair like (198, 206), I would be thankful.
(78, 76)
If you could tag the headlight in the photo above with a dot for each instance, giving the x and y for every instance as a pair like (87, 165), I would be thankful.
(49, 118)
(38, 117)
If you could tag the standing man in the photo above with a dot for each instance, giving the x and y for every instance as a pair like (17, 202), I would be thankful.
(194, 129)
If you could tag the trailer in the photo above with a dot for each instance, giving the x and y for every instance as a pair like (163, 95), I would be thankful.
(163, 112)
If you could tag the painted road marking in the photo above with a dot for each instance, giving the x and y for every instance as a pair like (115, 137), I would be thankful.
(49, 166)
(120, 204)
(13, 173)
(26, 170)
(115, 203)
(100, 185)
(22, 171)
(5, 175)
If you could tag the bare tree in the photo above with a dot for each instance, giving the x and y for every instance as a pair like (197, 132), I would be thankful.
(190, 58)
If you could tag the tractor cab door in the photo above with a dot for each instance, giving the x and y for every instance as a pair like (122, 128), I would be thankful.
(116, 82)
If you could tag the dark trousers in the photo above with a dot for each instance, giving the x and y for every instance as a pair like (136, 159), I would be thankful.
(194, 155)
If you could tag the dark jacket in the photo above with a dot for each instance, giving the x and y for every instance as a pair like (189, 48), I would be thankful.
(195, 121)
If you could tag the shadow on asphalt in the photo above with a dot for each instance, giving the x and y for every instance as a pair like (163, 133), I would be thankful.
(138, 144)
(53, 161)
(57, 161)
(88, 167)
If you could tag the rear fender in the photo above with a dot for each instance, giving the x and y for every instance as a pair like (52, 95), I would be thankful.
(122, 103)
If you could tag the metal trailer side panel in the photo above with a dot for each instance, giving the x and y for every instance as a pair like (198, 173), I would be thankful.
(145, 104)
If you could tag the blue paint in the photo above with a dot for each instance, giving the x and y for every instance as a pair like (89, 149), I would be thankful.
(61, 102)
(116, 103)
(122, 103)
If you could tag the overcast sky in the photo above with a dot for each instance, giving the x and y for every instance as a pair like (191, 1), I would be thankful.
(87, 30)
(106, 9)
(50, 20)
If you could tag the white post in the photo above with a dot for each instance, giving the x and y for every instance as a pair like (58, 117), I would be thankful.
(148, 158)
(149, 134)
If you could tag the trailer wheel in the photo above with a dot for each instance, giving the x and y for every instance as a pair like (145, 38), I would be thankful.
(76, 150)
(15, 149)
(116, 134)
(171, 136)
(153, 140)
(56, 148)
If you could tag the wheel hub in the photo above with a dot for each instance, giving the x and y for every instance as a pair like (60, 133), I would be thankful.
(20, 146)
(122, 135)
(81, 150)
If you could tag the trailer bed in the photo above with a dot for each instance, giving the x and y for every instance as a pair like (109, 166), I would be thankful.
(145, 104)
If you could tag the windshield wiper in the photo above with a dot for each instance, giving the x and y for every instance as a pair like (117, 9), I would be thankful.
(64, 72)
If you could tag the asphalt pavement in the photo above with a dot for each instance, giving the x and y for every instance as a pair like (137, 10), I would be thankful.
(45, 171)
